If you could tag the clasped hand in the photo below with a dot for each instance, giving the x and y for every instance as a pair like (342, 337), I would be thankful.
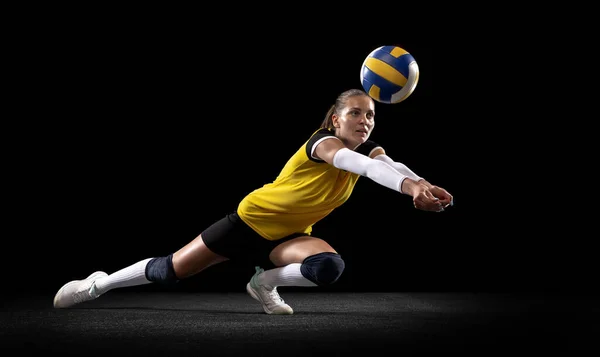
(434, 198)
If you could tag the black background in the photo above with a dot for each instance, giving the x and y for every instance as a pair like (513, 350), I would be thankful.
(135, 133)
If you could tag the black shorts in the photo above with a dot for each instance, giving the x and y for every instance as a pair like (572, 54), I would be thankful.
(233, 238)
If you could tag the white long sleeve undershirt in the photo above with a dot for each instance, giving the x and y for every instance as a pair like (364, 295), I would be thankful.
(400, 167)
(377, 170)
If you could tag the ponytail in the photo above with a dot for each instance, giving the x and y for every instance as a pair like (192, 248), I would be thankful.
(328, 122)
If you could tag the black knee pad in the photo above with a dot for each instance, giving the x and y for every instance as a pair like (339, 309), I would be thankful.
(323, 268)
(160, 270)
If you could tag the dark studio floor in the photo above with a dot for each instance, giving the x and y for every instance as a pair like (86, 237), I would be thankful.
(205, 324)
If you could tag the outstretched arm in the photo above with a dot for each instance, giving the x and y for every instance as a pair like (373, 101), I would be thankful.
(335, 153)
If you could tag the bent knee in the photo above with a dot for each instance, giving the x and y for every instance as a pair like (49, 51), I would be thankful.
(323, 268)
(160, 270)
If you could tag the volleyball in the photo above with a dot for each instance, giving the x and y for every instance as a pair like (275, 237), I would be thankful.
(389, 74)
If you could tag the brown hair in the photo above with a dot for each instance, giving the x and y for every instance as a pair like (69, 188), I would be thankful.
(340, 103)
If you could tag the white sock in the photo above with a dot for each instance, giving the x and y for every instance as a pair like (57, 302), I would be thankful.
(288, 275)
(131, 276)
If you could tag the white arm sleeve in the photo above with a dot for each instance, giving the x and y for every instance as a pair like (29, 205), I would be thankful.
(400, 167)
(377, 170)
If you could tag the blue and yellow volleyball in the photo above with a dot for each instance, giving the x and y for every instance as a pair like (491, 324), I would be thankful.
(389, 74)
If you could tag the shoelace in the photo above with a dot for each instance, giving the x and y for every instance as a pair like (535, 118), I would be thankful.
(274, 295)
(81, 296)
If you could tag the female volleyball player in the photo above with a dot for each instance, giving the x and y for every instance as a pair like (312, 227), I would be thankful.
(276, 220)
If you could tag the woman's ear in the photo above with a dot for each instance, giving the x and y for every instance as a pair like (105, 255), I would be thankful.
(335, 120)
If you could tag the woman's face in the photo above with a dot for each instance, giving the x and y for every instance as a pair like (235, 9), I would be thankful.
(356, 121)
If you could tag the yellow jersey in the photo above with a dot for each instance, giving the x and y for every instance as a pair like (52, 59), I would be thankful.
(305, 191)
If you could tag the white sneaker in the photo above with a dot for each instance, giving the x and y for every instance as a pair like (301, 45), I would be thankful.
(77, 291)
(272, 303)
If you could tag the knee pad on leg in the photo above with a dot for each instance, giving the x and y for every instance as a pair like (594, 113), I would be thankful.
(160, 270)
(323, 268)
